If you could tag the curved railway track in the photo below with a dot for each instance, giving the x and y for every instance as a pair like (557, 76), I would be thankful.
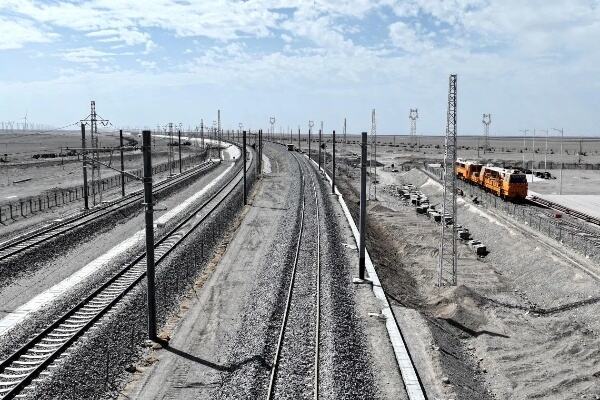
(19, 372)
(36, 237)
(289, 371)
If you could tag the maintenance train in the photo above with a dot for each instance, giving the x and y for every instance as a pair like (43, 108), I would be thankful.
(510, 184)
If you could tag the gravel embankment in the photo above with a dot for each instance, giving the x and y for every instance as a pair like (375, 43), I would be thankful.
(99, 366)
(38, 256)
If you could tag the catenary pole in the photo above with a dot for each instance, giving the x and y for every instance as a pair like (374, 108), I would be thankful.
(333, 168)
(363, 206)
(244, 165)
(85, 183)
(122, 163)
(179, 147)
(147, 155)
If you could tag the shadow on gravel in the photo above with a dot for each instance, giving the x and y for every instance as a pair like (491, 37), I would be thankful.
(225, 368)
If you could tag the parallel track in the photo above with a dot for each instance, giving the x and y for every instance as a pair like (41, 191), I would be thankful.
(570, 222)
(19, 371)
(275, 369)
(37, 237)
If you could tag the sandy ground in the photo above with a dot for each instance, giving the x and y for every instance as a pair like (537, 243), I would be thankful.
(47, 176)
(575, 182)
(521, 324)
(20, 147)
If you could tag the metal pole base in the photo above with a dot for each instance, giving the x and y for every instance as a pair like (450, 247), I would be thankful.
(359, 281)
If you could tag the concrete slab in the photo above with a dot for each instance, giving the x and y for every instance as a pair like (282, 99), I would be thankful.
(585, 203)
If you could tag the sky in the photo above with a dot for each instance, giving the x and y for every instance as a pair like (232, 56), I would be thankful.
(530, 64)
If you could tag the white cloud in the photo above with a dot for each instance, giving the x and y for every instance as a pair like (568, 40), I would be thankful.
(131, 37)
(87, 55)
(406, 38)
(17, 32)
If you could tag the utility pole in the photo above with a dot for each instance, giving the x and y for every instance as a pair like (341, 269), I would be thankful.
(258, 170)
(487, 120)
(546, 150)
(179, 147)
(260, 150)
(85, 183)
(319, 153)
(345, 144)
(171, 149)
(533, 156)
(447, 254)
(244, 167)
(202, 133)
(219, 138)
(413, 115)
(122, 163)
(562, 132)
(272, 121)
(148, 202)
(299, 148)
(523, 151)
(363, 207)
(373, 161)
(333, 168)
(310, 125)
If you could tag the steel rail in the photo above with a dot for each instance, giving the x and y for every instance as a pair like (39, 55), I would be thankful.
(37, 237)
(288, 303)
(318, 297)
(277, 357)
(46, 347)
(546, 208)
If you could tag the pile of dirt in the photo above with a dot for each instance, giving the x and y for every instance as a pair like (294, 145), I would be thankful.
(464, 309)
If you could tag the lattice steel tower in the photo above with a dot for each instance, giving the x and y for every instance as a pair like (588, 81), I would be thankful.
(92, 121)
(413, 115)
(447, 253)
(487, 120)
(373, 161)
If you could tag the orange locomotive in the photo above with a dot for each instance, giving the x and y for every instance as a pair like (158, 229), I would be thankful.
(507, 183)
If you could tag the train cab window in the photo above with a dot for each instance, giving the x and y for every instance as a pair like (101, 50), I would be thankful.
(518, 178)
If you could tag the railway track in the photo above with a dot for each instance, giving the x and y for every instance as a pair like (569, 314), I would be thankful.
(26, 366)
(36, 237)
(571, 224)
(298, 337)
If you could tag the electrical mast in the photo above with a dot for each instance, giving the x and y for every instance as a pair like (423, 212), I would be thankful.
(413, 115)
(219, 131)
(373, 163)
(272, 121)
(447, 253)
(92, 121)
(170, 145)
(487, 120)
(345, 144)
